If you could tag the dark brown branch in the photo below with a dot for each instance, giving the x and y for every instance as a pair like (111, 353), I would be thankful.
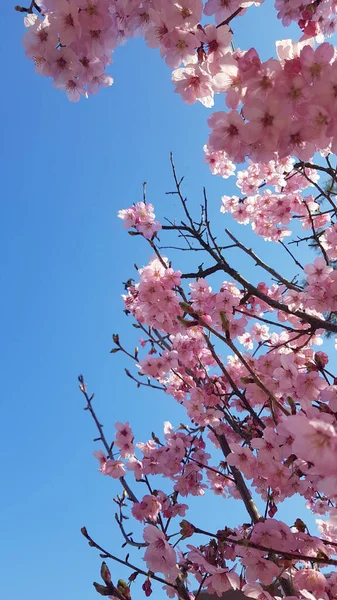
(128, 538)
(262, 264)
(301, 164)
(148, 383)
(270, 322)
(235, 388)
(315, 322)
(106, 554)
(291, 254)
(202, 272)
(247, 543)
(256, 379)
(231, 17)
(28, 10)
(239, 482)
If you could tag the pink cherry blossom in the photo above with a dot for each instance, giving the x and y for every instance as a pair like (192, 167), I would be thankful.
(148, 508)
(66, 22)
(110, 467)
(159, 555)
(193, 83)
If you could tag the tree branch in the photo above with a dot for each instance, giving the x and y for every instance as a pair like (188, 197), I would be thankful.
(262, 264)
(102, 437)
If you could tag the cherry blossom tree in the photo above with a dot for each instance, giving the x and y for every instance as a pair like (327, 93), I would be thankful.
(250, 361)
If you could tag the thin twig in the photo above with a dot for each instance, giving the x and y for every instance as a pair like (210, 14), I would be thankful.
(262, 264)
(106, 554)
(102, 437)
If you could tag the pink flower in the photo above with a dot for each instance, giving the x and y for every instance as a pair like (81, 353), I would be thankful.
(227, 134)
(221, 9)
(65, 21)
(310, 580)
(179, 47)
(94, 14)
(159, 555)
(112, 468)
(184, 13)
(219, 163)
(223, 580)
(216, 41)
(148, 508)
(158, 28)
(260, 569)
(98, 81)
(71, 86)
(242, 458)
(228, 80)
(63, 63)
(255, 590)
(40, 36)
(318, 270)
(314, 441)
(142, 217)
(136, 466)
(193, 83)
(124, 439)
(314, 63)
(266, 120)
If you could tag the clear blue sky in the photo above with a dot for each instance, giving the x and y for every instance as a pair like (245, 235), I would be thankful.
(65, 170)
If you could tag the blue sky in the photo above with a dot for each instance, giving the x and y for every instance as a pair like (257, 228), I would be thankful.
(65, 171)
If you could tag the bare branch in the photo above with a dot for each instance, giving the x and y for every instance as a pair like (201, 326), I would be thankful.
(262, 264)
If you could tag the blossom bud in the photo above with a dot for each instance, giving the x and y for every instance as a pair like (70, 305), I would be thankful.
(101, 589)
(186, 529)
(321, 359)
(105, 573)
(201, 54)
(300, 525)
(147, 587)
(272, 509)
(186, 307)
(123, 587)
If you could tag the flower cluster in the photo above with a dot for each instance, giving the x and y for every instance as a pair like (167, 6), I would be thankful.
(272, 196)
(286, 105)
(142, 218)
(72, 40)
(240, 358)
(316, 19)
(124, 439)
(154, 301)
(72, 43)
(282, 107)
